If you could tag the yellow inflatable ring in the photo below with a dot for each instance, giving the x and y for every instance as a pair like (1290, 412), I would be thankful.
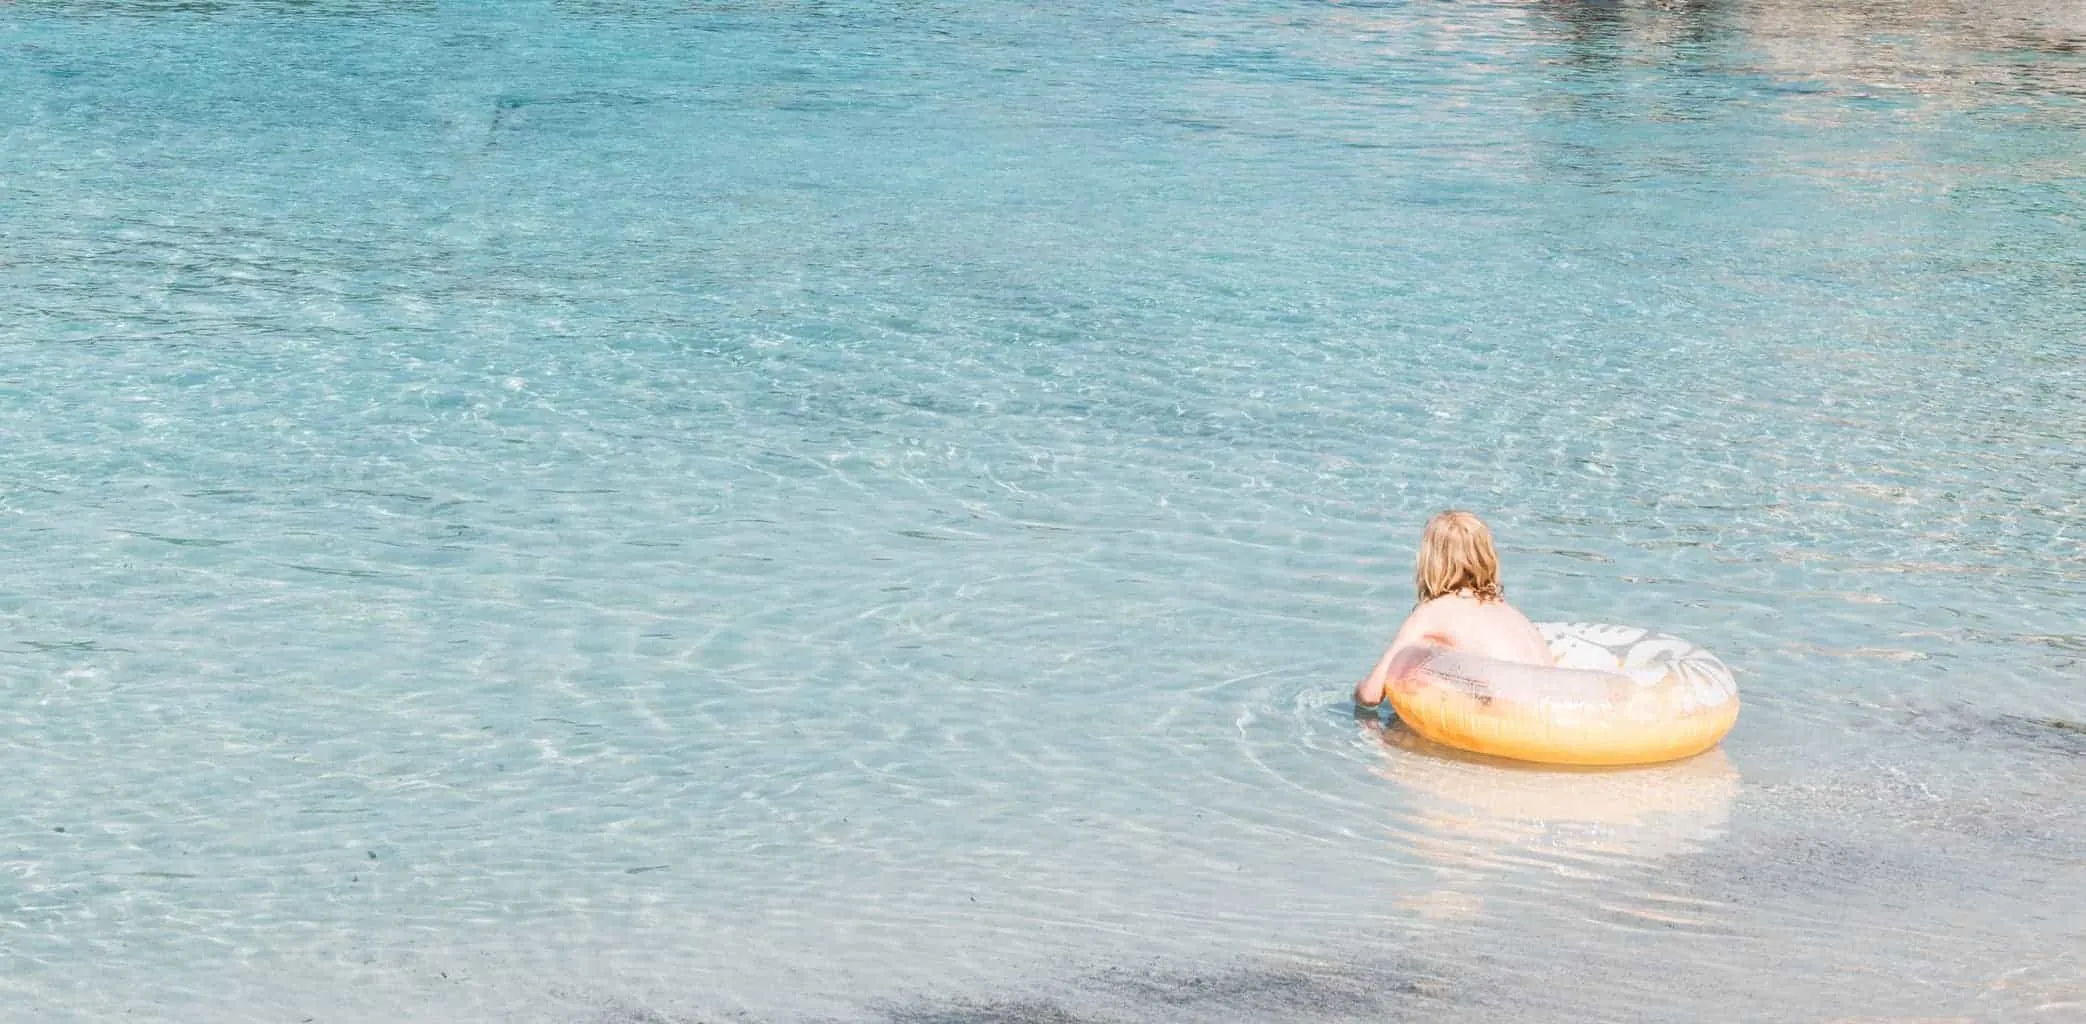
(1619, 695)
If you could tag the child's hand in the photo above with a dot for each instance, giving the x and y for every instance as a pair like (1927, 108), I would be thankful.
(1369, 692)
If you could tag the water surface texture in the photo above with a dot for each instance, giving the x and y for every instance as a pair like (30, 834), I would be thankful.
(593, 512)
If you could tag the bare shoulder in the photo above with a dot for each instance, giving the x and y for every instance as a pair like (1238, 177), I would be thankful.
(1510, 612)
(1449, 619)
(1522, 640)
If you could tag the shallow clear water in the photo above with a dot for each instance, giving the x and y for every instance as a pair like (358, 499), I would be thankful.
(586, 511)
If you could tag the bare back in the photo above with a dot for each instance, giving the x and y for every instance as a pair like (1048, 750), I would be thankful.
(1493, 629)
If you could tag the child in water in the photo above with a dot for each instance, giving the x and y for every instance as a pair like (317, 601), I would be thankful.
(1461, 606)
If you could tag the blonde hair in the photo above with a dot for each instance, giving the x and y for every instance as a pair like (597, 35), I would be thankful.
(1457, 557)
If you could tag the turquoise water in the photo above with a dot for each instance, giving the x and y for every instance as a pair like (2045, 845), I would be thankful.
(791, 511)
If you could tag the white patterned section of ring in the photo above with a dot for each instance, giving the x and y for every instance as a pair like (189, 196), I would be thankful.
(1644, 657)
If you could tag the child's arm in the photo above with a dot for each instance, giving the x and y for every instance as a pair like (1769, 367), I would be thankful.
(1369, 692)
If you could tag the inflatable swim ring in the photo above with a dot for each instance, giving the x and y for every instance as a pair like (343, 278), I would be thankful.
(1619, 695)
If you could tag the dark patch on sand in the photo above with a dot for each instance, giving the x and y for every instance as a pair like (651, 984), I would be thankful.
(1959, 724)
(1267, 990)
(1012, 1011)
(643, 1017)
(1315, 991)
(2057, 735)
